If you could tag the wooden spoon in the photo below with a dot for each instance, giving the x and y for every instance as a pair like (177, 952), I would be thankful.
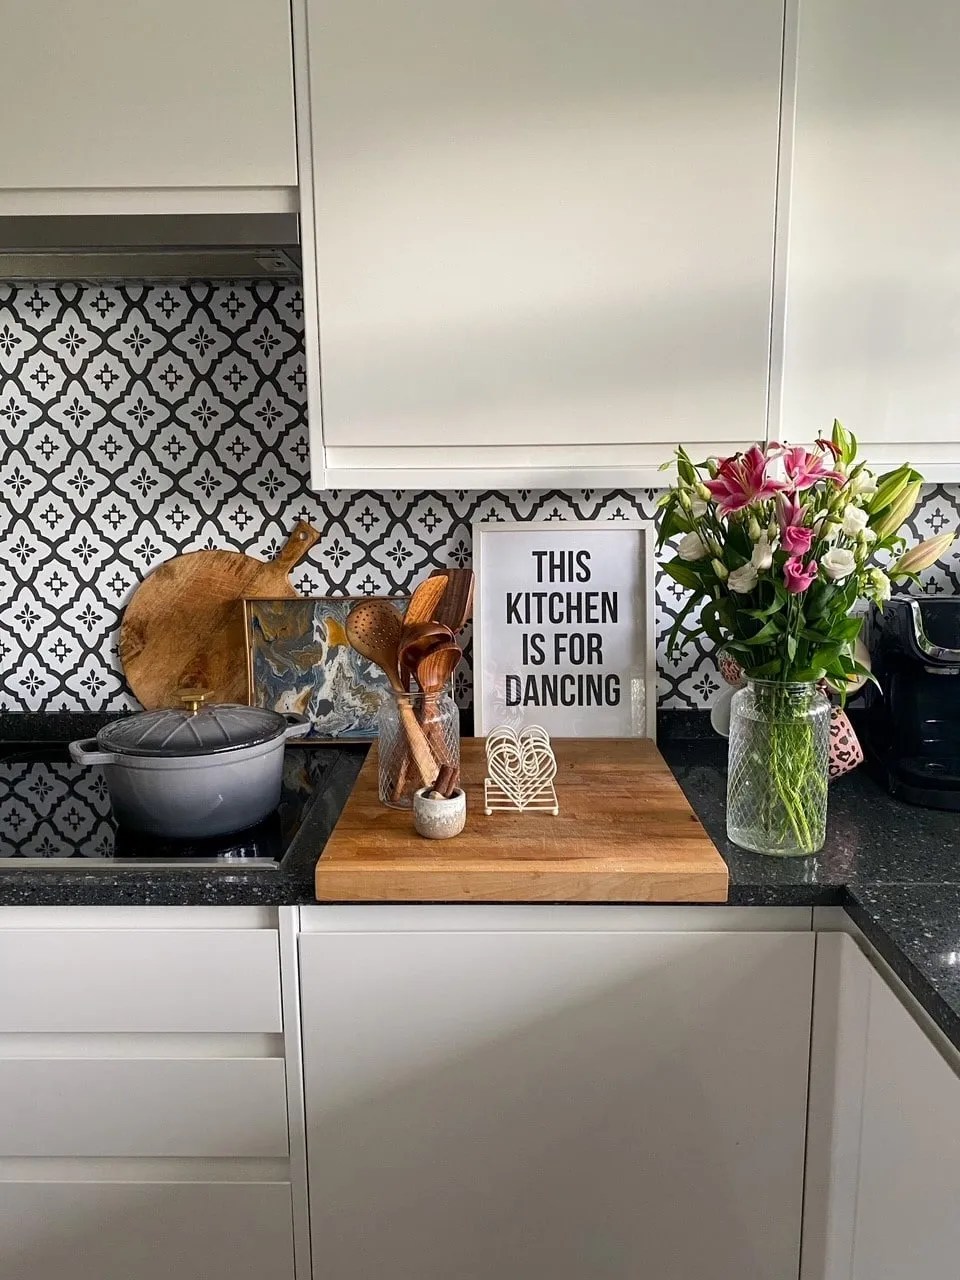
(434, 671)
(419, 640)
(426, 599)
(456, 604)
(373, 628)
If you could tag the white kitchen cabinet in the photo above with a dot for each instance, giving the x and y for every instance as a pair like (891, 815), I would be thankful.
(115, 1230)
(873, 276)
(564, 1092)
(538, 237)
(884, 1151)
(161, 979)
(156, 103)
(147, 1116)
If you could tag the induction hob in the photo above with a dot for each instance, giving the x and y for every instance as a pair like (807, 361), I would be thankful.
(54, 813)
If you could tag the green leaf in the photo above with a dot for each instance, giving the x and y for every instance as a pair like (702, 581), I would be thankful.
(674, 635)
(791, 647)
(710, 622)
(681, 571)
(764, 635)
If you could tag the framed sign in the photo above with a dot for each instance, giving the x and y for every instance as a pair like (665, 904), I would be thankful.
(563, 627)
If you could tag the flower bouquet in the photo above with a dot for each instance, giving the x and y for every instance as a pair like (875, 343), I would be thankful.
(777, 545)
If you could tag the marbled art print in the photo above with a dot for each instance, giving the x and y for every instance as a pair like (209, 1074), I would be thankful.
(299, 660)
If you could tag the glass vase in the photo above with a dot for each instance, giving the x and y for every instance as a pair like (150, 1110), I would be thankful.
(778, 759)
(417, 732)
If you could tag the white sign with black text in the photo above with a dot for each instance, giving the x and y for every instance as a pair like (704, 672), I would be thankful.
(563, 627)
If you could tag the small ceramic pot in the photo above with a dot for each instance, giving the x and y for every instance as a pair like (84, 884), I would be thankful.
(439, 819)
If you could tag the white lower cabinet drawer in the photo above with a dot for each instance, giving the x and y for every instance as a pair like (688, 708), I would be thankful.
(145, 1231)
(150, 980)
(143, 1107)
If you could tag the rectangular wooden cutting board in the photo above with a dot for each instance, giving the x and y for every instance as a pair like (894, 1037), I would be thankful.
(625, 833)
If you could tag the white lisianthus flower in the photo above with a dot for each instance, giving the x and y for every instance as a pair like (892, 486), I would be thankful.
(691, 547)
(879, 586)
(762, 556)
(743, 580)
(863, 484)
(854, 520)
(698, 508)
(838, 563)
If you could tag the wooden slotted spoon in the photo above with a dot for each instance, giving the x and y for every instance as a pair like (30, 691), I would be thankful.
(373, 628)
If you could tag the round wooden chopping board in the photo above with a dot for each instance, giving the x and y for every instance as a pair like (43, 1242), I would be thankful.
(183, 628)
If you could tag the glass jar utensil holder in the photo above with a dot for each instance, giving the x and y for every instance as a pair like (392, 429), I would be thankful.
(778, 768)
(414, 729)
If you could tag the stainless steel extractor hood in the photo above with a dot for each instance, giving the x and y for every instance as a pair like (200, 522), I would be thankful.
(147, 248)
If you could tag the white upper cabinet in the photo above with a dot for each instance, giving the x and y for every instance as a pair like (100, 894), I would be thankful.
(873, 282)
(543, 235)
(175, 96)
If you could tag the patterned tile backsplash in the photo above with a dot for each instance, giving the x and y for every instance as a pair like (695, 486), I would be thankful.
(137, 422)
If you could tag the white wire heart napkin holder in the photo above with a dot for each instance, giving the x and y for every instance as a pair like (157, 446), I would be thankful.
(521, 768)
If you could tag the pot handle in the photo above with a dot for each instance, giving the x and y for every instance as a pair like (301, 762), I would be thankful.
(297, 726)
(87, 751)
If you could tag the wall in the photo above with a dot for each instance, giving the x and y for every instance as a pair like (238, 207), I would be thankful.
(139, 422)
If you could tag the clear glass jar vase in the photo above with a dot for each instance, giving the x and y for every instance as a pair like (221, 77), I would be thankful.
(417, 732)
(778, 760)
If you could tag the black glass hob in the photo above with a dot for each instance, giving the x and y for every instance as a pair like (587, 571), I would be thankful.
(56, 813)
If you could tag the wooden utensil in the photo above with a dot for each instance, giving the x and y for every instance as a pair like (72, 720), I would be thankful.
(373, 628)
(426, 599)
(183, 627)
(419, 640)
(437, 667)
(456, 604)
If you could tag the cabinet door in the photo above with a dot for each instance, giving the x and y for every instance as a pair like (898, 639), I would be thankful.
(883, 1151)
(145, 1231)
(908, 1214)
(873, 287)
(544, 233)
(161, 93)
(565, 1104)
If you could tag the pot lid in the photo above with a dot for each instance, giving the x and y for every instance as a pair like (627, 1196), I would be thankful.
(202, 731)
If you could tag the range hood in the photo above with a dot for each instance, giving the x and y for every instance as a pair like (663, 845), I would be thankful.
(150, 247)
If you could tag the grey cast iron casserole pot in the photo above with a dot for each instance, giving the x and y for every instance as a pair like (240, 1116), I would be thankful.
(201, 772)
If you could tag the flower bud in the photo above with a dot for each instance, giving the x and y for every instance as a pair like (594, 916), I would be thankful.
(922, 556)
(703, 493)
(901, 510)
(890, 490)
(754, 530)
(720, 569)
(685, 502)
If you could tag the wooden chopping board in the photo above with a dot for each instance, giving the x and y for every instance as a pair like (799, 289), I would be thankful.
(625, 833)
(183, 627)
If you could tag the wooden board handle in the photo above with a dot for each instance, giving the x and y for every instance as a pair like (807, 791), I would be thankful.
(304, 536)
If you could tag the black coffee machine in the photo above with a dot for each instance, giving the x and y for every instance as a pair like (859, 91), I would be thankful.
(911, 734)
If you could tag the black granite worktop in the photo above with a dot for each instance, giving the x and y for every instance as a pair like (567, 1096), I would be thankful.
(893, 867)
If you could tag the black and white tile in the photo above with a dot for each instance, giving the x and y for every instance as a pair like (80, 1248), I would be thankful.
(137, 422)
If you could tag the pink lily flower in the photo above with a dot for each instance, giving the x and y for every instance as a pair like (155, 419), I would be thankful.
(742, 480)
(805, 469)
(790, 511)
(798, 576)
(797, 539)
